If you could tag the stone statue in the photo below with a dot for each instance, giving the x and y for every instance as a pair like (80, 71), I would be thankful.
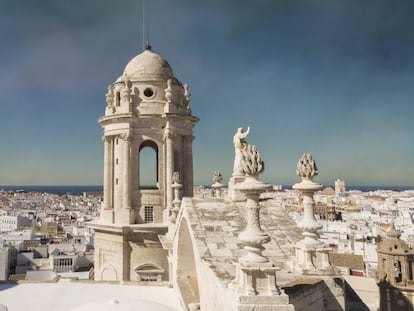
(168, 90)
(250, 163)
(176, 178)
(240, 143)
(126, 91)
(110, 96)
(306, 167)
(187, 94)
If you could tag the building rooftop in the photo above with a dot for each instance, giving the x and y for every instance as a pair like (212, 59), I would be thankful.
(217, 222)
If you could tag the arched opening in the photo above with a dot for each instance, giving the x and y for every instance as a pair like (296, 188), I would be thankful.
(397, 271)
(148, 165)
(186, 266)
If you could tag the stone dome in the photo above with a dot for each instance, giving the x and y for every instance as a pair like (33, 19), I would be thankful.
(393, 244)
(148, 66)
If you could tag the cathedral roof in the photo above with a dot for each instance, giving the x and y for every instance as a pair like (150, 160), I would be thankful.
(148, 66)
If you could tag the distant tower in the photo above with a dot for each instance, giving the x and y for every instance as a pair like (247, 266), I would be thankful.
(147, 107)
(395, 273)
(339, 187)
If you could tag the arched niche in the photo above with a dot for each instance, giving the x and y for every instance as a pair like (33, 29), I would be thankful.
(149, 272)
(109, 274)
(148, 165)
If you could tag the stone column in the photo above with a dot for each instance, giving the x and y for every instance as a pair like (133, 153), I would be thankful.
(107, 172)
(125, 215)
(189, 175)
(107, 213)
(169, 163)
(126, 187)
(253, 236)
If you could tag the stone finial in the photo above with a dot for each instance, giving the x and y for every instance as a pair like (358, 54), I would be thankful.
(393, 232)
(168, 90)
(217, 186)
(176, 186)
(250, 163)
(187, 94)
(217, 177)
(306, 167)
(110, 96)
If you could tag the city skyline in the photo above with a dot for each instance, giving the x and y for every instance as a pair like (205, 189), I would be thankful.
(329, 78)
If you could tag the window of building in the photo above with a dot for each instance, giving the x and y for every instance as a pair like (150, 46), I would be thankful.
(148, 92)
(149, 214)
(118, 98)
(148, 165)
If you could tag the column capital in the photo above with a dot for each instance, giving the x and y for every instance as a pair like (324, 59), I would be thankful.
(169, 135)
(126, 137)
(107, 138)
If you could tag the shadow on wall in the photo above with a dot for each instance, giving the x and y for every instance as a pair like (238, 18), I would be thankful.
(352, 300)
(314, 295)
(392, 298)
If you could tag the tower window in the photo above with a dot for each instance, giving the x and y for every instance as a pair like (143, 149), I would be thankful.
(118, 98)
(149, 214)
(116, 161)
(116, 181)
(148, 92)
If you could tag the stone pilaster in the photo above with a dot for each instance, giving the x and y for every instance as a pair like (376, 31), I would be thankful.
(189, 175)
(107, 213)
(126, 215)
(169, 167)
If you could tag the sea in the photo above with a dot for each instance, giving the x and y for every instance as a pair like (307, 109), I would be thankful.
(79, 190)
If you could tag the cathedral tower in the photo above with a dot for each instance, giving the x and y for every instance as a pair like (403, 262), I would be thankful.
(395, 273)
(147, 107)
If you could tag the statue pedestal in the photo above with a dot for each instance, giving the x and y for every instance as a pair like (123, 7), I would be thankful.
(107, 216)
(235, 194)
(256, 289)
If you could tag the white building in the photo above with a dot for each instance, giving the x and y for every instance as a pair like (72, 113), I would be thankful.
(12, 223)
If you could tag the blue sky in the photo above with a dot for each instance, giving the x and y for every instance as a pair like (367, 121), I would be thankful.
(332, 78)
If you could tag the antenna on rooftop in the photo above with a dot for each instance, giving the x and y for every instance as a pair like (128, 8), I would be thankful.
(145, 45)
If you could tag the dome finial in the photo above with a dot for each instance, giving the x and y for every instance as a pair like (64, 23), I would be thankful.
(147, 46)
